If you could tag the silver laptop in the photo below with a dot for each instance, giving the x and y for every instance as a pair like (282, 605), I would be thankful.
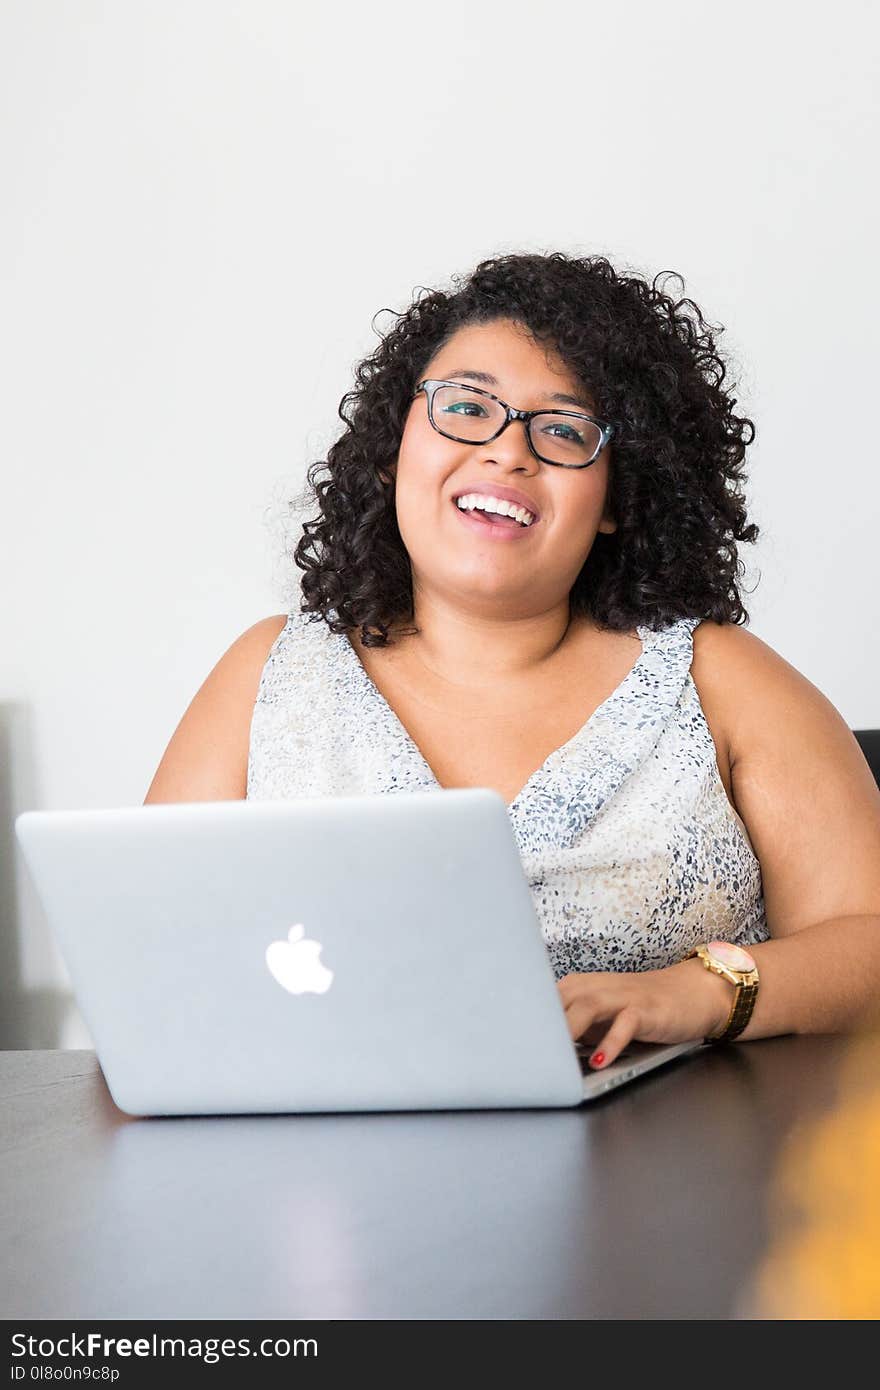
(320, 954)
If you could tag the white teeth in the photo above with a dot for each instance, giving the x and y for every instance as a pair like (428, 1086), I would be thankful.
(477, 500)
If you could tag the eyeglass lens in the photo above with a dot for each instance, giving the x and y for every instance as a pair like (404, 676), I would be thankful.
(463, 413)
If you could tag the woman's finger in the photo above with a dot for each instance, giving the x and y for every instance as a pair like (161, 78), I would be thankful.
(618, 1036)
(588, 1015)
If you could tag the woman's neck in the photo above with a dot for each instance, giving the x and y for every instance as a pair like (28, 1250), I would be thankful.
(466, 648)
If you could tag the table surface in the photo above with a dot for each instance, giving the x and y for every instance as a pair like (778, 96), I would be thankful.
(649, 1203)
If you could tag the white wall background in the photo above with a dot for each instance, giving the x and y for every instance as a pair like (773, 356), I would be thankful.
(203, 206)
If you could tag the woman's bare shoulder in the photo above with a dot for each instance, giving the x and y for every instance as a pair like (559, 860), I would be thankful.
(730, 665)
(747, 681)
(264, 633)
(207, 757)
(772, 714)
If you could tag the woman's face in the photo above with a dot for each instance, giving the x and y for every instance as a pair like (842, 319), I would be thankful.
(456, 560)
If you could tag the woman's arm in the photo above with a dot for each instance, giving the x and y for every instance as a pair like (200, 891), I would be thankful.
(812, 810)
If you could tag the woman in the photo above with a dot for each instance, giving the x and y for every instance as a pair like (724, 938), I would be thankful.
(670, 780)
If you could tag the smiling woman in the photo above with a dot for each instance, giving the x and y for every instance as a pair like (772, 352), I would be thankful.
(644, 370)
(524, 575)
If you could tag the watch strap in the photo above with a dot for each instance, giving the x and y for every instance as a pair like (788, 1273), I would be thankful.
(740, 1013)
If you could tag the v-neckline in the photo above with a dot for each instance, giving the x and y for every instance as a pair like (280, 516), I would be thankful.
(553, 759)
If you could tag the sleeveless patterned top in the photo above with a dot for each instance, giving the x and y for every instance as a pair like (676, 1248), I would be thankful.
(630, 847)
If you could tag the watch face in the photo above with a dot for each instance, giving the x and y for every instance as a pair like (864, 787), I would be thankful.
(734, 957)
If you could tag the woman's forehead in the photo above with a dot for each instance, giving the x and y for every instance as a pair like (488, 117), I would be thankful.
(501, 354)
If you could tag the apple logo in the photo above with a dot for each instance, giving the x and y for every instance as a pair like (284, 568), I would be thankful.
(295, 963)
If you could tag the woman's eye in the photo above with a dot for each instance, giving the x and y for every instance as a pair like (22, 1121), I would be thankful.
(461, 407)
(570, 433)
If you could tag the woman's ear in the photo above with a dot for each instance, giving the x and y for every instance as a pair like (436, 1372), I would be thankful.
(384, 474)
(608, 523)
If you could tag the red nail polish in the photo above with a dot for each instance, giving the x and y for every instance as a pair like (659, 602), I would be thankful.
(597, 1059)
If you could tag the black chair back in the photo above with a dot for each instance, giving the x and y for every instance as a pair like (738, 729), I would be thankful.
(869, 742)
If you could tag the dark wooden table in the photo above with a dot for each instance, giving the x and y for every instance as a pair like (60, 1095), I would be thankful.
(650, 1203)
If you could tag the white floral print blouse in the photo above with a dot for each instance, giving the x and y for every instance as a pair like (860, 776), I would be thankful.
(630, 847)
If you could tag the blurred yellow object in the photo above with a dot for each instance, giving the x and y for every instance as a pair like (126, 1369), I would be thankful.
(824, 1257)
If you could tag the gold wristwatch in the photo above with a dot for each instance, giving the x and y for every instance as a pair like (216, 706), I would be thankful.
(736, 965)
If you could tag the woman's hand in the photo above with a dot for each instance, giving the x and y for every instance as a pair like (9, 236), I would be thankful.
(677, 1004)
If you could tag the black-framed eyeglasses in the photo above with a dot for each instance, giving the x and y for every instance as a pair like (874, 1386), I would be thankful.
(568, 438)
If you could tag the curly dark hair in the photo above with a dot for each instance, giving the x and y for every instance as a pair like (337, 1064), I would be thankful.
(649, 362)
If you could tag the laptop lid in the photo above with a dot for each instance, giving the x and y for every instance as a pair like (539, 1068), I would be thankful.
(319, 954)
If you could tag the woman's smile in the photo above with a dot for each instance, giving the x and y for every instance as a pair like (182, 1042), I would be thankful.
(493, 526)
